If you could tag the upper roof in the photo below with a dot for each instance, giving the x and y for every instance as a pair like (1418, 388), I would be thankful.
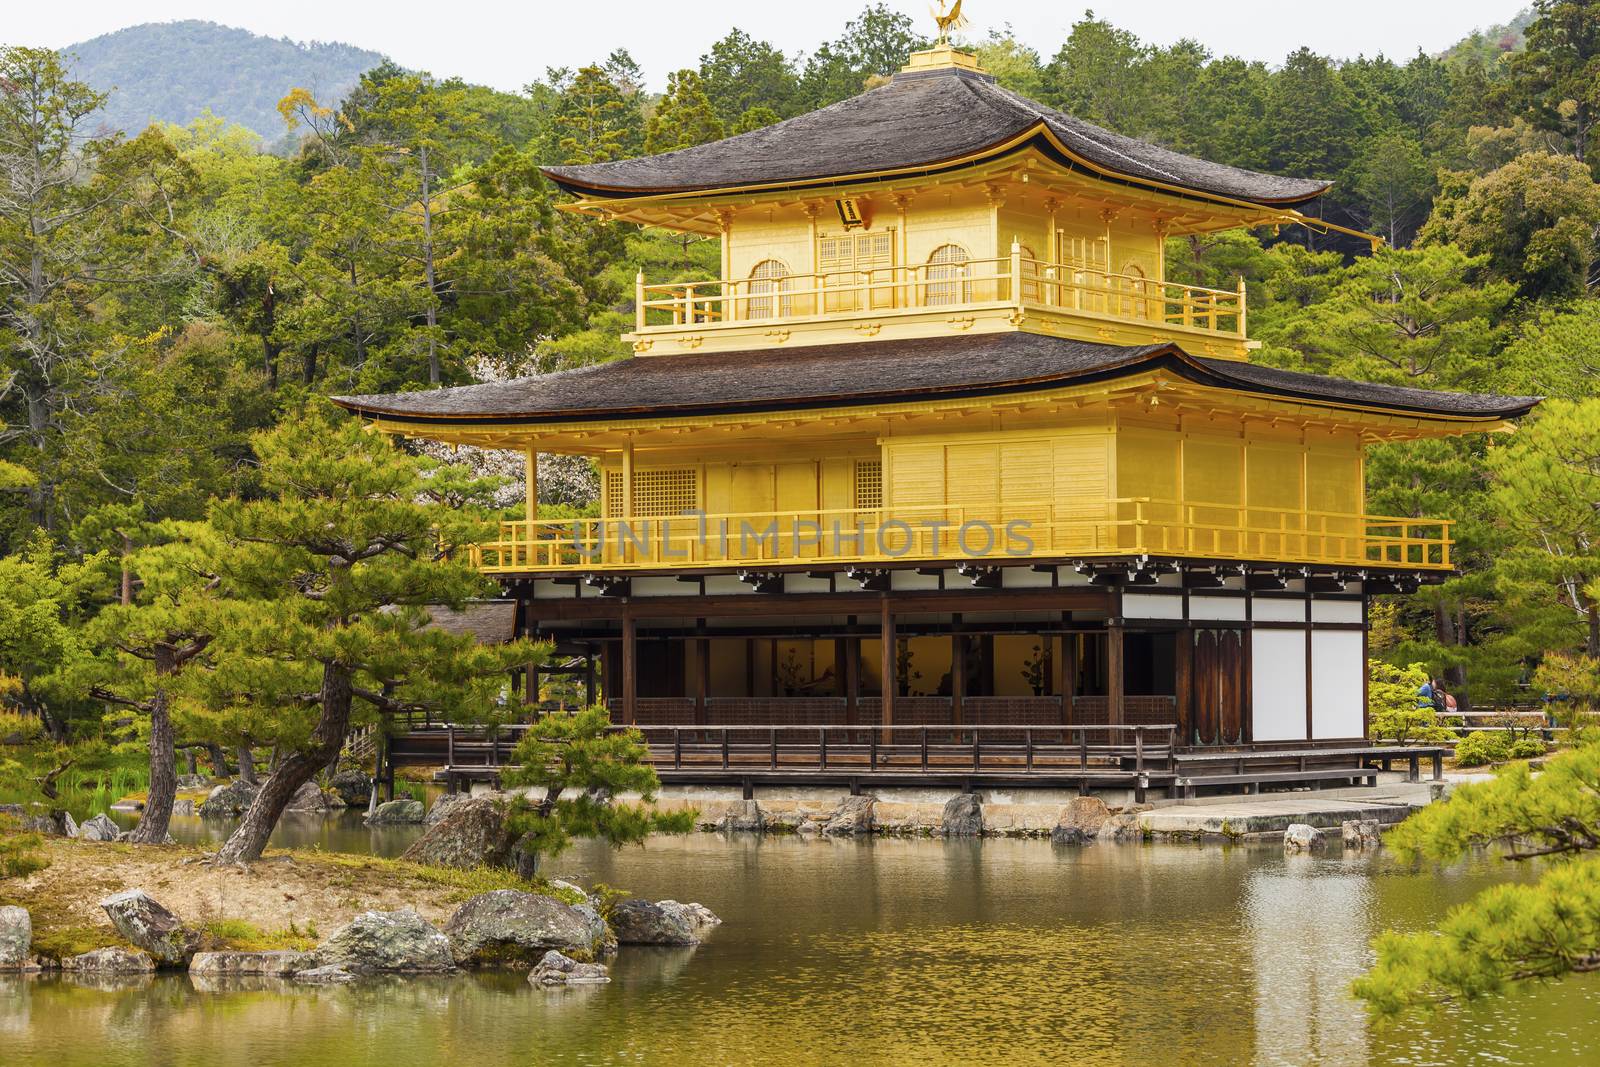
(922, 119)
(865, 372)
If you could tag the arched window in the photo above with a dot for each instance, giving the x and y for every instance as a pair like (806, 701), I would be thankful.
(947, 276)
(769, 291)
(1136, 303)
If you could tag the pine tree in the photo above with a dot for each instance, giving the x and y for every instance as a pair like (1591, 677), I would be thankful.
(684, 117)
(595, 120)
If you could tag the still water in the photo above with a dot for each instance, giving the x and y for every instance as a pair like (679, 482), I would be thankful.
(869, 952)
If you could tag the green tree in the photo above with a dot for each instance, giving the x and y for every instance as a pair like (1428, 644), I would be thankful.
(1098, 75)
(684, 117)
(596, 120)
(582, 764)
(321, 596)
(874, 44)
(1547, 490)
(1394, 183)
(756, 118)
(1536, 218)
(1555, 80)
(1308, 119)
(1509, 933)
(741, 73)
(1556, 352)
(43, 601)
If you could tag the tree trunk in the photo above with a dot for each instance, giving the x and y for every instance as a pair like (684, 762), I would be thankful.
(247, 842)
(194, 762)
(218, 759)
(153, 824)
(247, 764)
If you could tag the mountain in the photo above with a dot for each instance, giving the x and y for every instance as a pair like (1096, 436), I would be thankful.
(1488, 46)
(172, 71)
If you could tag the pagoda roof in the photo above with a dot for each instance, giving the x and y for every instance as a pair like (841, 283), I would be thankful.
(878, 372)
(922, 120)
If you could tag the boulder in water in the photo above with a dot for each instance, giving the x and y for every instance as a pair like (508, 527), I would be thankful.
(38, 819)
(329, 975)
(16, 936)
(308, 800)
(396, 812)
(386, 941)
(140, 919)
(277, 964)
(1300, 837)
(352, 787)
(507, 925)
(639, 922)
(1360, 833)
(110, 961)
(554, 969)
(963, 816)
(228, 801)
(852, 817)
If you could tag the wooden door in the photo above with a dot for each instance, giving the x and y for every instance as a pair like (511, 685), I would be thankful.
(1216, 698)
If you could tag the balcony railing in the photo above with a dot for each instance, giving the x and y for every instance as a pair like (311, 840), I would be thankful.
(997, 533)
(1014, 280)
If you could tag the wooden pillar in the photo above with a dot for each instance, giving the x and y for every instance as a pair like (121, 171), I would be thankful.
(886, 636)
(630, 669)
(958, 671)
(1114, 672)
(588, 677)
(531, 487)
(1183, 674)
(852, 674)
(702, 673)
(1069, 674)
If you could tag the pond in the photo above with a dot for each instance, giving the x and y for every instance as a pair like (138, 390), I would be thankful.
(878, 951)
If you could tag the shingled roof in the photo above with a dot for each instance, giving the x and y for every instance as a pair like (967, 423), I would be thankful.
(864, 372)
(919, 120)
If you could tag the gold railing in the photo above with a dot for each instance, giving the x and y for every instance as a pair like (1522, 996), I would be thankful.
(1130, 526)
(1062, 287)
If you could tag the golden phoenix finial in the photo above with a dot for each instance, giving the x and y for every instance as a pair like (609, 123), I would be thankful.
(948, 21)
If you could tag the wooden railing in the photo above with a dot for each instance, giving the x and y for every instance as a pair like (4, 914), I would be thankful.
(1111, 751)
(1015, 280)
(1125, 526)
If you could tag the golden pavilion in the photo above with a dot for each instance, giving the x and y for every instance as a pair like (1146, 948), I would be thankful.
(943, 452)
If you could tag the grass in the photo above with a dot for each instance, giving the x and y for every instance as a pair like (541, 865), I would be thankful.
(237, 935)
(466, 883)
(102, 778)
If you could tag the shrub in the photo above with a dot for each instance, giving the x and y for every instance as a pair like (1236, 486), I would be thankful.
(1392, 705)
(1485, 746)
(1527, 748)
(18, 729)
(19, 855)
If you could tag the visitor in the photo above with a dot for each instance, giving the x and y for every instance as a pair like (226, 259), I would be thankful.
(1438, 695)
(1425, 695)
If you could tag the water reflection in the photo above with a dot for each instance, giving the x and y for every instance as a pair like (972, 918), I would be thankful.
(882, 951)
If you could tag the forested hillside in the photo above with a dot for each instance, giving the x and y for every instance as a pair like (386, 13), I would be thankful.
(166, 295)
(173, 71)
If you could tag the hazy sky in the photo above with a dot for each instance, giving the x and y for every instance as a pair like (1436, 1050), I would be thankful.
(507, 45)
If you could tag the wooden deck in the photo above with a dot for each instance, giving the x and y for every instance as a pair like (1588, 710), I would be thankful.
(1136, 757)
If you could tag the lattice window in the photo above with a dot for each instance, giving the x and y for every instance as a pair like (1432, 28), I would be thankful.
(947, 276)
(869, 484)
(769, 278)
(656, 493)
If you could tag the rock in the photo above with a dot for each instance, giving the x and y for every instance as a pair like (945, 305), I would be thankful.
(699, 917)
(279, 964)
(1120, 828)
(16, 935)
(1440, 790)
(554, 969)
(557, 883)
(150, 926)
(324, 976)
(472, 833)
(446, 803)
(744, 818)
(1360, 833)
(1302, 838)
(1070, 835)
(110, 961)
(193, 782)
(852, 817)
(352, 787)
(1088, 814)
(963, 816)
(99, 828)
(228, 801)
(510, 924)
(38, 819)
(396, 812)
(308, 800)
(383, 941)
(639, 922)
(183, 806)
